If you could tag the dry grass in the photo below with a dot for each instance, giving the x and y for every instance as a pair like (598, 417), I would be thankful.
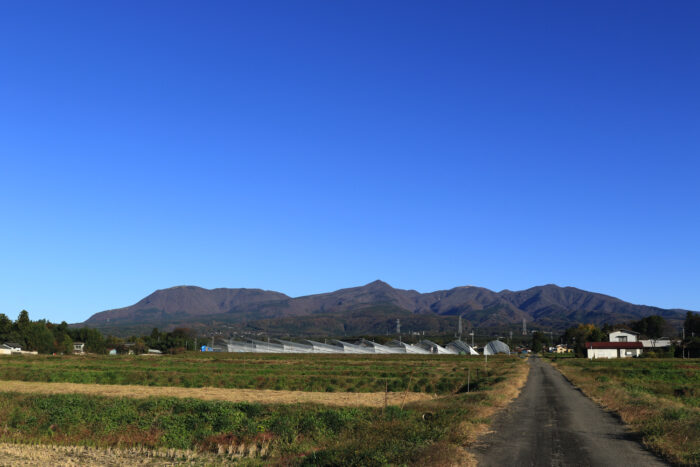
(75, 456)
(265, 396)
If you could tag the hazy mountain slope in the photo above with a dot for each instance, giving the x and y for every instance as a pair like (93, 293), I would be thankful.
(186, 301)
(374, 308)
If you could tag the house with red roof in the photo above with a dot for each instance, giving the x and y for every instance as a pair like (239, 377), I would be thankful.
(623, 344)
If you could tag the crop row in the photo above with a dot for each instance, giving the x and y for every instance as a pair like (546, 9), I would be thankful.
(354, 374)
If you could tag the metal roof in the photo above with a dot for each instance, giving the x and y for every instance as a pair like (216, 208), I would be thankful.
(494, 347)
(614, 345)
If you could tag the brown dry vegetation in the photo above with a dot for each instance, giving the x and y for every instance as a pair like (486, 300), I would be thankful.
(75, 456)
(265, 396)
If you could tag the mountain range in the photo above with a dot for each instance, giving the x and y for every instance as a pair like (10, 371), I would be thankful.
(371, 309)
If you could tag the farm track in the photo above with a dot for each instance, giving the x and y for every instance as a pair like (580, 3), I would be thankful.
(266, 396)
(552, 423)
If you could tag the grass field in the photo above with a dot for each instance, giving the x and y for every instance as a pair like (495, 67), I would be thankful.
(659, 398)
(318, 373)
(428, 430)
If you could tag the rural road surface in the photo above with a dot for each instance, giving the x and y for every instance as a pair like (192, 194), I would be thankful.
(552, 423)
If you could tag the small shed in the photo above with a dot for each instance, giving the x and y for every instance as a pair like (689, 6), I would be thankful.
(79, 347)
(660, 343)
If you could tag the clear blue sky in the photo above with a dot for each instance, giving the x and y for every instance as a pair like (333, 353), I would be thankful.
(308, 146)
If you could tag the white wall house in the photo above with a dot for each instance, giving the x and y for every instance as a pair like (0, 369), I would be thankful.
(78, 347)
(12, 347)
(613, 349)
(623, 335)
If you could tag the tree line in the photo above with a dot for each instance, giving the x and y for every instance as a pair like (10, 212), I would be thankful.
(652, 327)
(49, 338)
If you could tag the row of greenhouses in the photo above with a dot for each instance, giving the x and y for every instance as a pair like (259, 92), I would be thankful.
(363, 346)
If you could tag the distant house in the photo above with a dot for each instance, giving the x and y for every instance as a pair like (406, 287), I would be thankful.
(111, 351)
(79, 347)
(613, 349)
(624, 335)
(12, 346)
(563, 349)
(623, 344)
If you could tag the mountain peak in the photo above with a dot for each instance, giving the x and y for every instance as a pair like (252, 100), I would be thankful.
(379, 283)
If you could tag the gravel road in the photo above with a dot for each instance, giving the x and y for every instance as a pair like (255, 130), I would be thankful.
(552, 423)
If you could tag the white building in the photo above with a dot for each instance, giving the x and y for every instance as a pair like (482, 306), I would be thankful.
(613, 349)
(660, 343)
(623, 335)
(11, 346)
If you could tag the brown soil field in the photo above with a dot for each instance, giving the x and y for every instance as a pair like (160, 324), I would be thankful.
(266, 396)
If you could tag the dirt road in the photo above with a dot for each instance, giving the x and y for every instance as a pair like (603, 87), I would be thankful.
(266, 396)
(552, 423)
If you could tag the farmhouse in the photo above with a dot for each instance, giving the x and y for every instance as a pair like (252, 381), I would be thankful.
(613, 349)
(563, 349)
(79, 347)
(11, 346)
(623, 335)
(623, 344)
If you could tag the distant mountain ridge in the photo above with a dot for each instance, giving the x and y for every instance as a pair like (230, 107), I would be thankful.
(373, 308)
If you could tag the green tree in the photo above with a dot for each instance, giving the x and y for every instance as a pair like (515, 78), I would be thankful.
(23, 321)
(539, 341)
(577, 337)
(5, 326)
(692, 324)
(64, 344)
(140, 346)
(651, 326)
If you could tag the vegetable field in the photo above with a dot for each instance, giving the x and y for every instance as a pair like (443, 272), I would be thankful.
(399, 430)
(439, 374)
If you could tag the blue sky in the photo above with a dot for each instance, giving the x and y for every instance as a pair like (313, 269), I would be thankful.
(309, 146)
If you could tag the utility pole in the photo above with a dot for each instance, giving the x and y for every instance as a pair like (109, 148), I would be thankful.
(524, 328)
(459, 328)
(398, 328)
(472, 334)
